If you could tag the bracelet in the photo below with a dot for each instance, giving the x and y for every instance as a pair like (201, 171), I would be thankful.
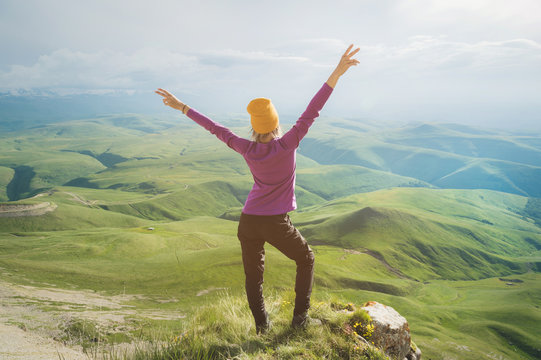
(183, 108)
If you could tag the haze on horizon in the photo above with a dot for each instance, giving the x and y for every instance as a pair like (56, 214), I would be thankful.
(475, 62)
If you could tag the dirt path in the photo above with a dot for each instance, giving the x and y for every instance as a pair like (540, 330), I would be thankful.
(17, 344)
(79, 199)
(32, 317)
(26, 332)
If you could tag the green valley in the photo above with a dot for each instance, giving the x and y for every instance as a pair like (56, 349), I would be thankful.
(441, 222)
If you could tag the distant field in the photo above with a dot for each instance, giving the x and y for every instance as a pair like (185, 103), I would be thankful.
(441, 223)
(412, 257)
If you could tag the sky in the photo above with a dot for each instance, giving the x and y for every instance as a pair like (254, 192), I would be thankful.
(475, 62)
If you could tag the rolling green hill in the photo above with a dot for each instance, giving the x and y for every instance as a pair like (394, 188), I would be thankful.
(471, 244)
(418, 250)
(334, 181)
(402, 216)
(111, 151)
(463, 141)
(445, 156)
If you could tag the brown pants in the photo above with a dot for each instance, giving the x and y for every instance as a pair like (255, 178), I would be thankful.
(277, 230)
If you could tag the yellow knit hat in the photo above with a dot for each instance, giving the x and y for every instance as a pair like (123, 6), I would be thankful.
(264, 117)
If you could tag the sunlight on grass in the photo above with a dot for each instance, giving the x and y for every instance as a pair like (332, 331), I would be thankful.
(225, 330)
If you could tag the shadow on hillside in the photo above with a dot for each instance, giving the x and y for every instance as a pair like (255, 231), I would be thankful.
(20, 183)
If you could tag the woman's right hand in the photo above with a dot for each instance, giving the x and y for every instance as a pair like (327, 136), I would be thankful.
(345, 63)
(171, 100)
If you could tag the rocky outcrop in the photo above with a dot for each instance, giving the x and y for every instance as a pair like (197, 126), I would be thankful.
(391, 332)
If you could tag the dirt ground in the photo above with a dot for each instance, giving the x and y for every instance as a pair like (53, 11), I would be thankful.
(25, 331)
(15, 344)
(31, 319)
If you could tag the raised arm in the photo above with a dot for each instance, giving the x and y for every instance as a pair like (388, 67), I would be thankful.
(345, 63)
(293, 137)
(235, 142)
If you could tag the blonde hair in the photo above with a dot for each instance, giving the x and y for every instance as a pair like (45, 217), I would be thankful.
(257, 137)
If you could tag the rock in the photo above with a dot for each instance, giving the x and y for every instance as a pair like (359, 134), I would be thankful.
(415, 352)
(418, 354)
(391, 330)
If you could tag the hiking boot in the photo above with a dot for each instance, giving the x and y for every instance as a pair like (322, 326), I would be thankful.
(300, 321)
(263, 328)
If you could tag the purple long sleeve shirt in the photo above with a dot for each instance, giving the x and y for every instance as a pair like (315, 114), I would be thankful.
(272, 164)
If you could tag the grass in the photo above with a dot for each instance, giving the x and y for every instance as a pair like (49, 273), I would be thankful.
(225, 330)
(385, 243)
(429, 240)
(338, 153)
(6, 174)
(443, 157)
(435, 255)
(335, 181)
(474, 319)
(177, 260)
(450, 319)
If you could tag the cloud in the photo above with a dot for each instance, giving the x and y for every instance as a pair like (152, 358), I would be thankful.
(66, 70)
(230, 57)
(85, 71)
(416, 53)
(428, 69)
(432, 54)
(423, 69)
(516, 13)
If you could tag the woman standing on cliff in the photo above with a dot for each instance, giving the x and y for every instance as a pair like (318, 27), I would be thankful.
(264, 218)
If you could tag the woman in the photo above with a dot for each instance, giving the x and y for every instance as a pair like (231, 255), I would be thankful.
(264, 217)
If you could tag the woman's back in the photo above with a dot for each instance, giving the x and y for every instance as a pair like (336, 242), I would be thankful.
(273, 169)
(272, 164)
